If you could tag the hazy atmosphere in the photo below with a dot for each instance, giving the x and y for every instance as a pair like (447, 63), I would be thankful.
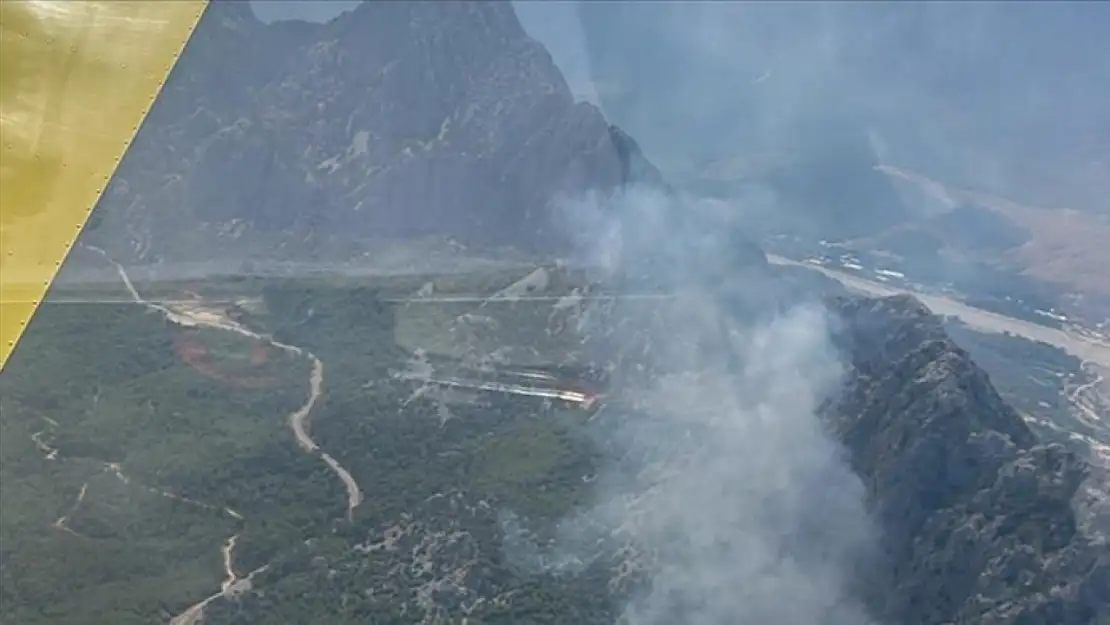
(735, 499)
(556, 313)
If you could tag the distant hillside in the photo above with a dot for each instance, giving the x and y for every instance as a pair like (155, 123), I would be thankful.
(1006, 98)
(319, 141)
(1065, 250)
(926, 499)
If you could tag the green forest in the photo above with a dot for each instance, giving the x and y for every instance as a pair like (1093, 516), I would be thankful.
(129, 461)
(140, 459)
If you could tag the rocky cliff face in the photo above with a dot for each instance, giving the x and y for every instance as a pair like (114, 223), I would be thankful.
(980, 520)
(402, 120)
(396, 120)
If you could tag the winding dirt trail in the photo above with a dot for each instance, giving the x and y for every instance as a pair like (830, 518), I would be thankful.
(236, 586)
(229, 567)
(193, 316)
(1088, 399)
(51, 453)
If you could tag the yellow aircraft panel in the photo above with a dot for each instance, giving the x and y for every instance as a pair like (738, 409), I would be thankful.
(77, 77)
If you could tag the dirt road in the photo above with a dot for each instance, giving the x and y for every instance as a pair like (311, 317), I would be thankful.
(189, 314)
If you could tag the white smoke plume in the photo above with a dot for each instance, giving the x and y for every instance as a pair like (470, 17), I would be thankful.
(722, 498)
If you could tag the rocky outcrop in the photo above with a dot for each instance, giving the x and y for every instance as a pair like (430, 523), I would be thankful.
(407, 120)
(979, 519)
(396, 120)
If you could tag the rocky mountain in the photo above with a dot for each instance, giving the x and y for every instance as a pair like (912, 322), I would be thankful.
(981, 523)
(402, 121)
(394, 121)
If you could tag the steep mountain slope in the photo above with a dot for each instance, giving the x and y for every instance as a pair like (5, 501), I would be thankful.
(396, 120)
(980, 521)
(403, 120)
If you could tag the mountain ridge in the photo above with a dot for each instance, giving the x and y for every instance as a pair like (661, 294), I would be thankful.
(297, 140)
(980, 519)
(447, 120)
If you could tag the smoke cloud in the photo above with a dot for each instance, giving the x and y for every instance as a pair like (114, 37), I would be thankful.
(1001, 97)
(721, 499)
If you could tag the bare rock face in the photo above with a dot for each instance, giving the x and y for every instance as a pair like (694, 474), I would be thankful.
(396, 120)
(403, 120)
(980, 522)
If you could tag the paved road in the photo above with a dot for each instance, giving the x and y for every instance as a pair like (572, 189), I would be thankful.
(434, 299)
(977, 318)
(1087, 350)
